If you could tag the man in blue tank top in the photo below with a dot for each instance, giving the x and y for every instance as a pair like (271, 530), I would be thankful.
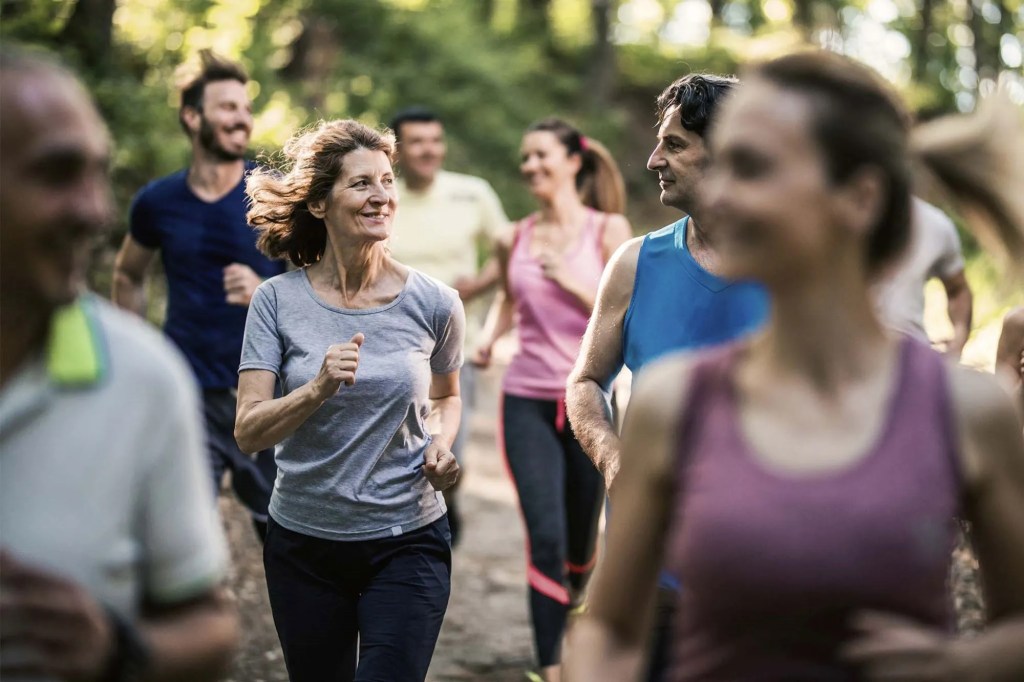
(196, 219)
(660, 294)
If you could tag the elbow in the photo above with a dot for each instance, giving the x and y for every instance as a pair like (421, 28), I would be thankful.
(244, 438)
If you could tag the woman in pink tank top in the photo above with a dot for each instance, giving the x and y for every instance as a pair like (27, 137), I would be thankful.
(803, 485)
(551, 265)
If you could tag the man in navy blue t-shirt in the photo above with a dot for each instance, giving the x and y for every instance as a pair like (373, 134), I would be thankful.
(196, 219)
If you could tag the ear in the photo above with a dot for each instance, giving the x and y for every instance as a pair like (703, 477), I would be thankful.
(318, 209)
(191, 117)
(861, 199)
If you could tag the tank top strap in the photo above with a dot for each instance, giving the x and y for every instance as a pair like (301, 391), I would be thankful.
(594, 230)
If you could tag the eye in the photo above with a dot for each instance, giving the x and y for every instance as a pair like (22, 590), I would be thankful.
(388, 181)
(360, 183)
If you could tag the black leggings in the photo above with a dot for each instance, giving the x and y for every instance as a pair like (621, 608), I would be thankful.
(560, 493)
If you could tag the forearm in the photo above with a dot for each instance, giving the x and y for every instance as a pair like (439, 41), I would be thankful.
(266, 423)
(500, 319)
(607, 657)
(488, 276)
(996, 655)
(445, 415)
(960, 310)
(193, 646)
(588, 410)
(128, 292)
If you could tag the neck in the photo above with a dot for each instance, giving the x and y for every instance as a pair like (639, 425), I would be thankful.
(209, 175)
(825, 331)
(697, 237)
(23, 331)
(351, 268)
(564, 209)
(418, 183)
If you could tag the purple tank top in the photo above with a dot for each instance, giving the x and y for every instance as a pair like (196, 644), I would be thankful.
(774, 565)
(551, 321)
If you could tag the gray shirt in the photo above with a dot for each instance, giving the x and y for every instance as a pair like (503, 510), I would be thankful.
(354, 469)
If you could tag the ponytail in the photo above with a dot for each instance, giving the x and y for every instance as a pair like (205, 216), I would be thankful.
(977, 163)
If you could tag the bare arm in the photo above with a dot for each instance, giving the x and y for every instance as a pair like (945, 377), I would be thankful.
(960, 305)
(500, 316)
(600, 358)
(128, 288)
(472, 287)
(191, 641)
(1010, 355)
(445, 408)
(262, 421)
(608, 644)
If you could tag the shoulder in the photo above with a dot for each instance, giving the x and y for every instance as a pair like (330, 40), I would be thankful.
(433, 290)
(931, 218)
(616, 229)
(508, 235)
(984, 414)
(167, 188)
(620, 273)
(282, 284)
(1013, 322)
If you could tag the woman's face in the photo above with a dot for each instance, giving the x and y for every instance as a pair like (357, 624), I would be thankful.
(773, 210)
(363, 200)
(546, 165)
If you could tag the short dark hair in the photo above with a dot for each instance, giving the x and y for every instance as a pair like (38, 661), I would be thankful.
(412, 115)
(696, 95)
(212, 68)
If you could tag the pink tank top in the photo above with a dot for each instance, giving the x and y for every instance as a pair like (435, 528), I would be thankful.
(773, 566)
(551, 321)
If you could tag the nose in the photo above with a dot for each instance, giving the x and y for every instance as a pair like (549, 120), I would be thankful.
(656, 160)
(92, 204)
(529, 164)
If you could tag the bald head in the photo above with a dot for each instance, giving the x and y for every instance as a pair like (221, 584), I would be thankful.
(54, 190)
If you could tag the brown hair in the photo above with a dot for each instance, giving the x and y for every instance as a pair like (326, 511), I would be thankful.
(859, 122)
(280, 198)
(212, 68)
(599, 181)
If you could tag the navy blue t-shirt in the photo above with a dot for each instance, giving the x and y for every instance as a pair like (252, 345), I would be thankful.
(197, 240)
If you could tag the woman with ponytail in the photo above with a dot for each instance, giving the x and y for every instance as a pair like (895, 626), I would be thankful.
(803, 484)
(551, 265)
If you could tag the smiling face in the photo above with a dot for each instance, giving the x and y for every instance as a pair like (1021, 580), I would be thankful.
(363, 200)
(776, 211)
(224, 124)
(422, 150)
(547, 165)
(54, 188)
(679, 159)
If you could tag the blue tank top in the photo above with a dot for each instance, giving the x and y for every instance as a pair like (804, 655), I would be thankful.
(678, 305)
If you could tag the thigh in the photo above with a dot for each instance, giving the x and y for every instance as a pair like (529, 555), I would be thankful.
(403, 605)
(537, 466)
(315, 610)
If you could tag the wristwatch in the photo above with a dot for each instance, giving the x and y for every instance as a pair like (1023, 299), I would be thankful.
(131, 657)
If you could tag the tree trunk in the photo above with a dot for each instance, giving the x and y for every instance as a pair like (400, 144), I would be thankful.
(89, 30)
(803, 16)
(602, 62)
(921, 44)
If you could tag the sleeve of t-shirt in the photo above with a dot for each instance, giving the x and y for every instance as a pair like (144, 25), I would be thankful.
(141, 223)
(185, 554)
(261, 345)
(494, 219)
(450, 326)
(950, 260)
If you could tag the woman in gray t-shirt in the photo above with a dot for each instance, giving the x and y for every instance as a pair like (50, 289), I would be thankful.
(366, 353)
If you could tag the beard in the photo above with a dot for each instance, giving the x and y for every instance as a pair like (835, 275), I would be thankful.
(208, 141)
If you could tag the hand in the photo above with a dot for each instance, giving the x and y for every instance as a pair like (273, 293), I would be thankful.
(891, 647)
(240, 282)
(553, 266)
(339, 367)
(482, 357)
(58, 629)
(466, 286)
(440, 467)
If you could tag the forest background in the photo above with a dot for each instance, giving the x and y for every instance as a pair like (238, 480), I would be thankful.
(490, 67)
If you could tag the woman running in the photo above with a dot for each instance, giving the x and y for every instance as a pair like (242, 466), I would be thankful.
(551, 265)
(357, 555)
(803, 485)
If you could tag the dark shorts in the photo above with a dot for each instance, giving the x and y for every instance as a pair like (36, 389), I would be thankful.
(252, 478)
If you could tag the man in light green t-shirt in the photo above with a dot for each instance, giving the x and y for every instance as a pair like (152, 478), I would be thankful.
(445, 222)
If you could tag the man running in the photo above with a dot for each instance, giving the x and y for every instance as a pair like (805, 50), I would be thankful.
(660, 293)
(111, 554)
(934, 251)
(196, 219)
(445, 220)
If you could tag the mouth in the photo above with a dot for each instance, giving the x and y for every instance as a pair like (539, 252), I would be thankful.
(665, 183)
(376, 216)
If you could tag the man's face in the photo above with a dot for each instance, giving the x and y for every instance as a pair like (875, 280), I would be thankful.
(54, 190)
(679, 159)
(225, 122)
(421, 150)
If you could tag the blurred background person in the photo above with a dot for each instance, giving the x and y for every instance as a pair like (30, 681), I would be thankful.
(446, 220)
(661, 293)
(933, 252)
(358, 553)
(111, 554)
(803, 485)
(196, 219)
(551, 264)
(1010, 356)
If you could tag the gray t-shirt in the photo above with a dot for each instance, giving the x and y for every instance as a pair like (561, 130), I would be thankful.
(353, 470)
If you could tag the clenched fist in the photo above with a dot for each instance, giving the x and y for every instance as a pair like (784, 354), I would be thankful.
(440, 467)
(339, 367)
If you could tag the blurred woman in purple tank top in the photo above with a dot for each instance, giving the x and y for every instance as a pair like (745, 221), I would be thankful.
(551, 263)
(803, 483)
